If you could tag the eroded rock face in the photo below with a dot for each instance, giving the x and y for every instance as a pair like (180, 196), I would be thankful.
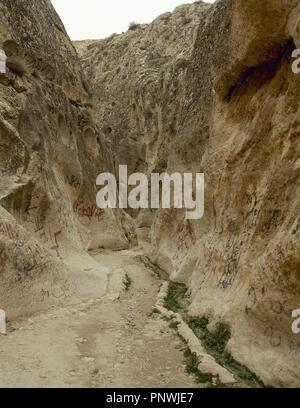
(51, 151)
(136, 77)
(210, 89)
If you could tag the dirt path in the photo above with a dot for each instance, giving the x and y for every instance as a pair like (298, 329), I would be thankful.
(114, 341)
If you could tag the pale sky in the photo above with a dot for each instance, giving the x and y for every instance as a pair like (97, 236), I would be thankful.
(93, 19)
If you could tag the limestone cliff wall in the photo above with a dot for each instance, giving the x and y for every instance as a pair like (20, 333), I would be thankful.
(210, 89)
(50, 154)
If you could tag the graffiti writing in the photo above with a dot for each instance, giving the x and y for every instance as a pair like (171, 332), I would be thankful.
(274, 338)
(82, 209)
(27, 258)
(184, 238)
(54, 239)
(8, 232)
(232, 262)
(73, 181)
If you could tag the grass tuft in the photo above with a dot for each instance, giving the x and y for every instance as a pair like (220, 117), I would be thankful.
(192, 363)
(174, 325)
(175, 298)
(149, 265)
(133, 25)
(215, 344)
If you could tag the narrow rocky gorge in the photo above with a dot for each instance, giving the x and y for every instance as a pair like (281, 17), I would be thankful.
(207, 88)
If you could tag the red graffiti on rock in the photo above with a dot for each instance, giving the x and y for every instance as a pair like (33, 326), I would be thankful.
(82, 209)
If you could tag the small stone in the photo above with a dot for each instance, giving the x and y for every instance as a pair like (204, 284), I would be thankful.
(81, 340)
(215, 381)
(88, 359)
